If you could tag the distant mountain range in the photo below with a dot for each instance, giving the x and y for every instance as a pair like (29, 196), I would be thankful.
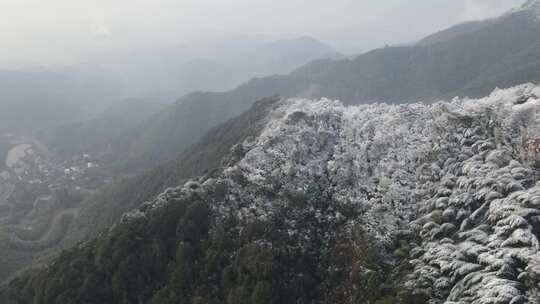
(94, 135)
(50, 97)
(470, 59)
(43, 98)
(176, 71)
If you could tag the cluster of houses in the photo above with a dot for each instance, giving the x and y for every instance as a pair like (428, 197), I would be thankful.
(33, 168)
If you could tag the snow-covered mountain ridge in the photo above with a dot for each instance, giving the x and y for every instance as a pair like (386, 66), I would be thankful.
(532, 6)
(459, 175)
(326, 203)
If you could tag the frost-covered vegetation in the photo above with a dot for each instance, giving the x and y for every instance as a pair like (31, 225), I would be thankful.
(469, 59)
(333, 204)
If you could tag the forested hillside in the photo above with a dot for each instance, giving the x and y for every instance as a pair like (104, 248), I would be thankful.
(102, 210)
(36, 223)
(334, 204)
(94, 135)
(468, 60)
(44, 98)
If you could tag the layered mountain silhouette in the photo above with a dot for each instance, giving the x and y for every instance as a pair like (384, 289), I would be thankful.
(469, 59)
(46, 97)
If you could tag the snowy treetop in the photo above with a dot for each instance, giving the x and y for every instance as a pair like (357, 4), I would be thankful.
(531, 5)
(462, 176)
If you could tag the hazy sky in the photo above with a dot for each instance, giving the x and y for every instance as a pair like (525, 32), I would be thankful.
(57, 32)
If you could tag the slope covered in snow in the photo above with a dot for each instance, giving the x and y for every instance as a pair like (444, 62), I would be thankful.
(462, 169)
(532, 6)
(330, 203)
(470, 59)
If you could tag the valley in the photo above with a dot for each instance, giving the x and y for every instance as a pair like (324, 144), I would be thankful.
(39, 198)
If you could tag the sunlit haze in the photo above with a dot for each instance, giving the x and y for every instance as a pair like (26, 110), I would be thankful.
(37, 33)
